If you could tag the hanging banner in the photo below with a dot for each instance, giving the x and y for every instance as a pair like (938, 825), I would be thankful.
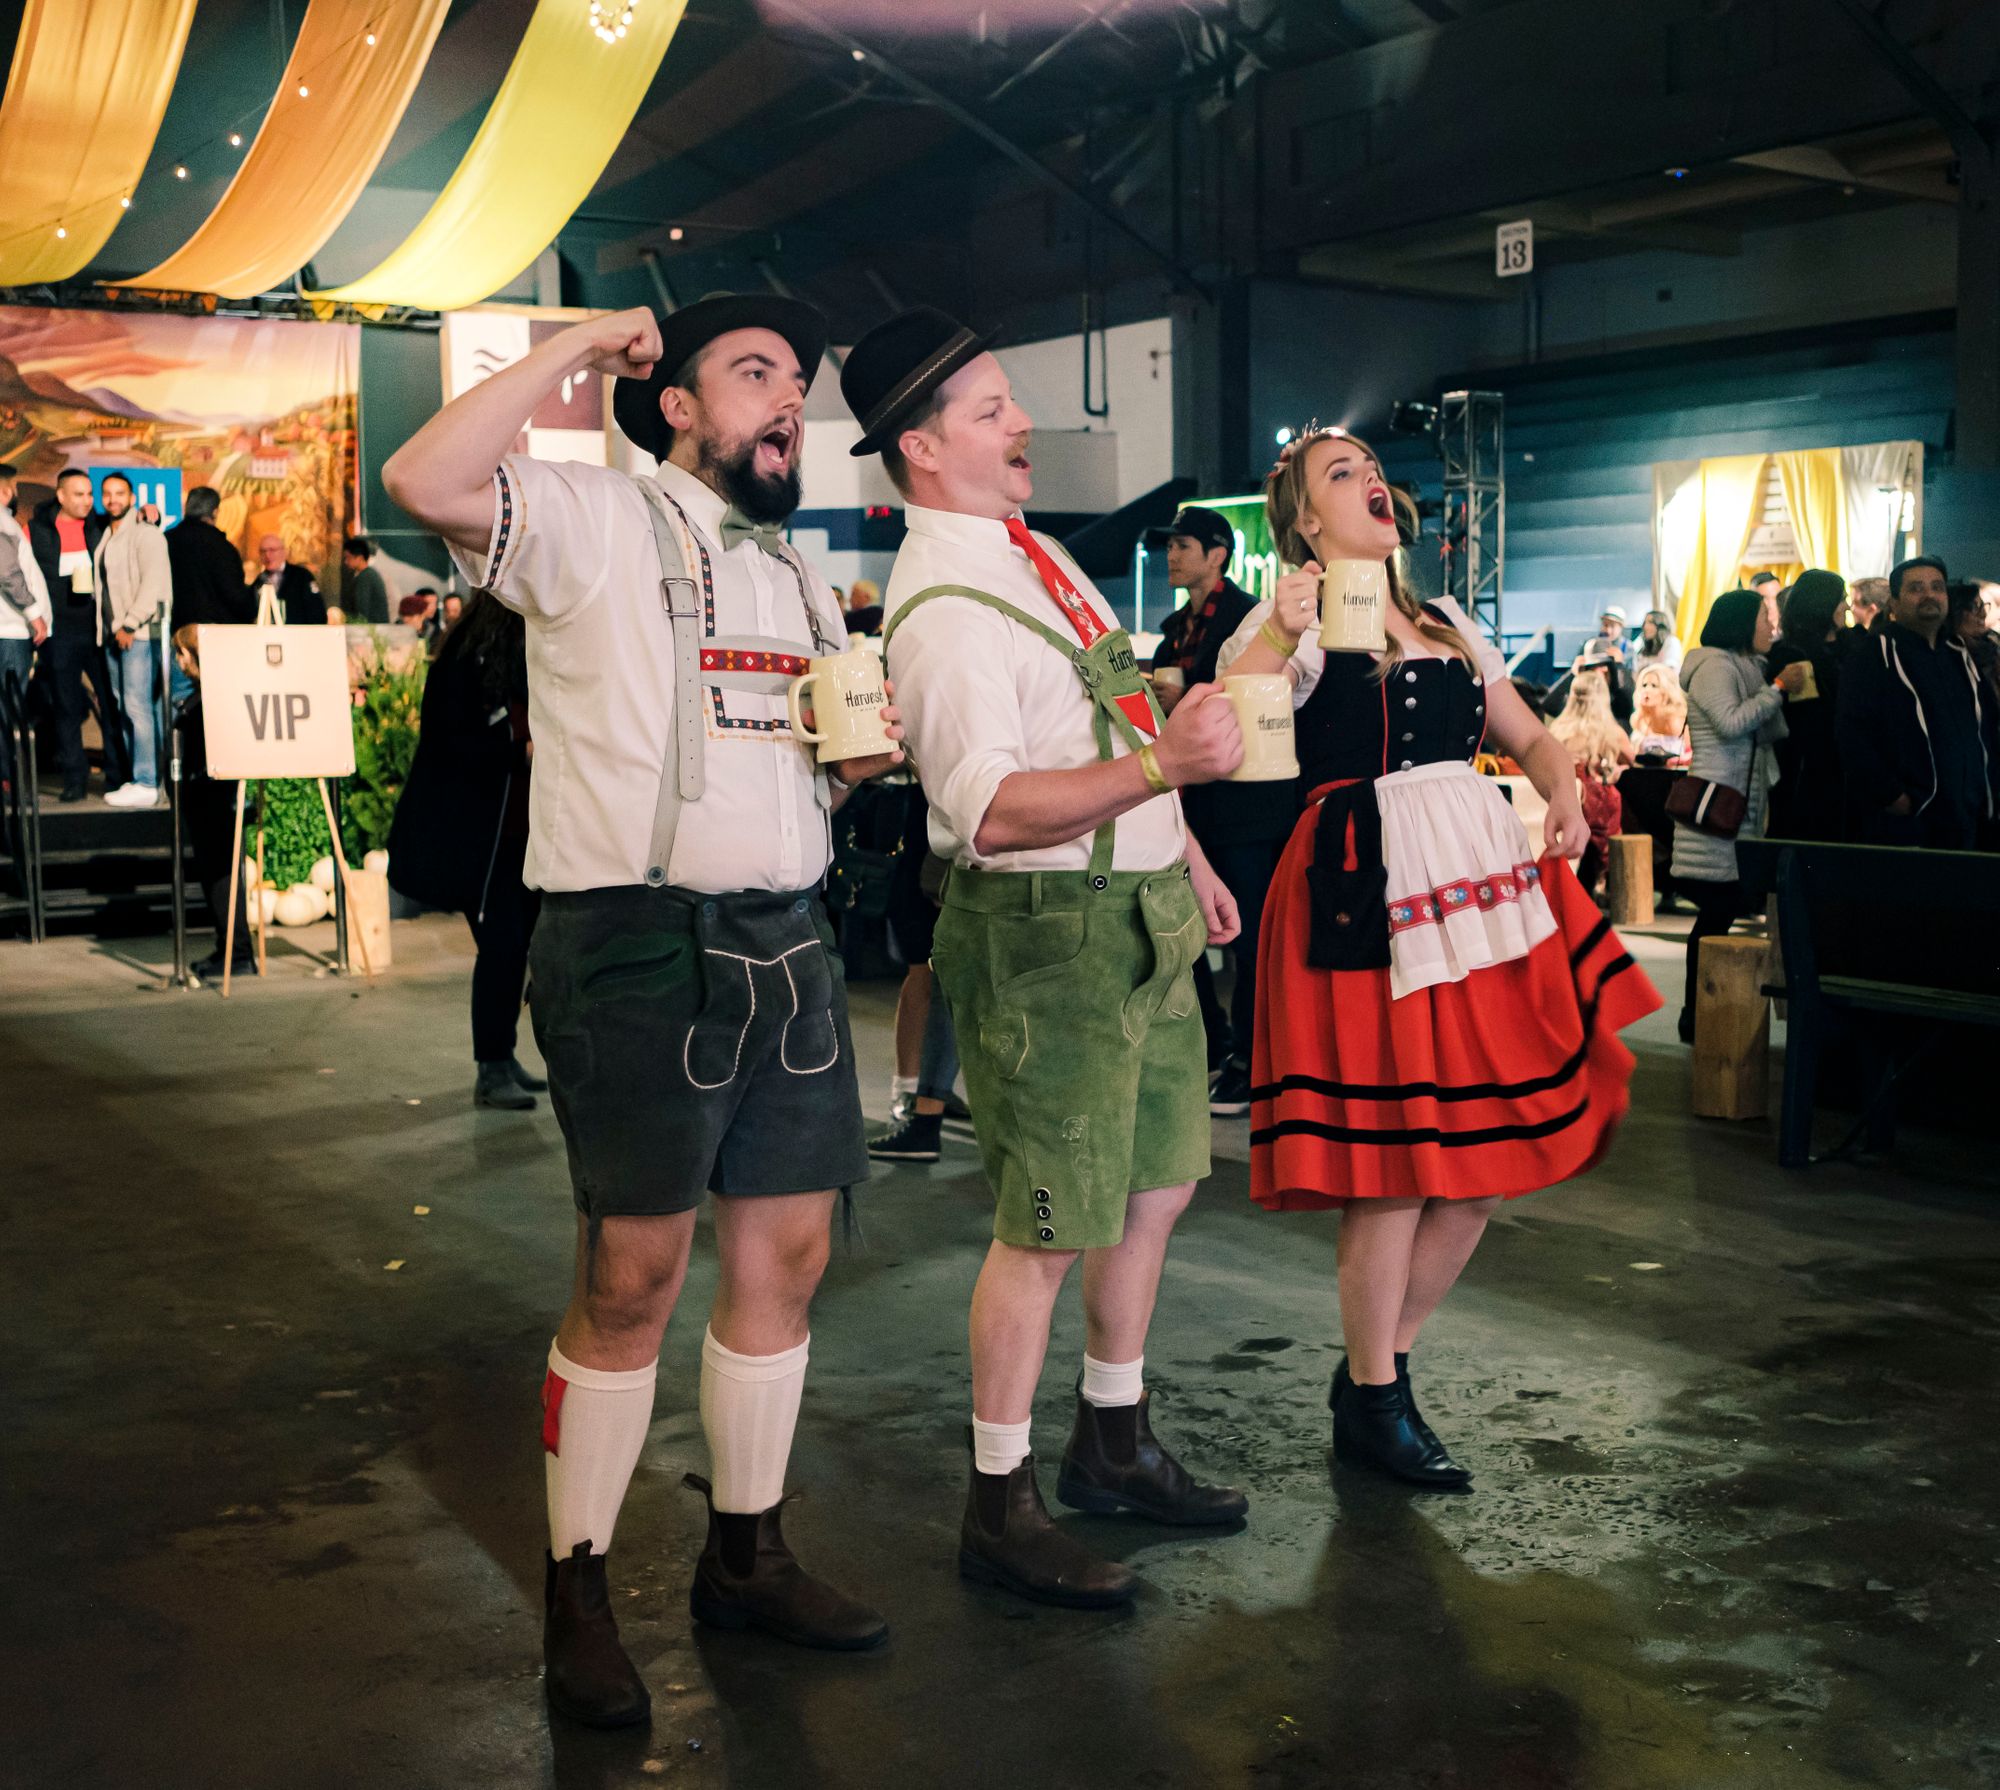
(275, 702)
(263, 412)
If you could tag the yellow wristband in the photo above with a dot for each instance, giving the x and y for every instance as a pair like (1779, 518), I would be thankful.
(1277, 642)
(1156, 779)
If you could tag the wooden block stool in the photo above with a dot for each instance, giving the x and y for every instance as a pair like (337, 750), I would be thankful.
(368, 921)
(1629, 879)
(1732, 1029)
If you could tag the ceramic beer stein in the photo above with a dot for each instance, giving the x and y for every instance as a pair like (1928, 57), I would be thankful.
(848, 699)
(1352, 596)
(1264, 713)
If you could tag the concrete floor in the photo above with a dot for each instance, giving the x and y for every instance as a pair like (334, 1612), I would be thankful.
(273, 1483)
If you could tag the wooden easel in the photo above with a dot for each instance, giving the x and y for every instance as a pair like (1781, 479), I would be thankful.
(268, 616)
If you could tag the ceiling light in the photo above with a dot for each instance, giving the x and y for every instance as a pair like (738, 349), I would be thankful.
(859, 55)
(609, 20)
(60, 233)
(1284, 435)
(180, 173)
(305, 92)
(124, 204)
(675, 234)
(370, 40)
(235, 139)
(1676, 173)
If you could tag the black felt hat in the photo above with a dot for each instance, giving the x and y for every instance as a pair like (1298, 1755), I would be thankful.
(898, 364)
(636, 402)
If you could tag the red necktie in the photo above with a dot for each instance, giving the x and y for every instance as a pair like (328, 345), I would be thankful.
(1082, 617)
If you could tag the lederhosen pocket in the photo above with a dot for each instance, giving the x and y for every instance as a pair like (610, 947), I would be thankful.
(1348, 882)
(1173, 921)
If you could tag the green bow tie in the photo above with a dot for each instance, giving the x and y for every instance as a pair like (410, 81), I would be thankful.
(738, 527)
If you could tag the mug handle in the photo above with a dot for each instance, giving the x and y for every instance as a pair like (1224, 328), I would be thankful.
(799, 729)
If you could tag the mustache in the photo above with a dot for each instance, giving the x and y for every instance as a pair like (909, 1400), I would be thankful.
(1017, 449)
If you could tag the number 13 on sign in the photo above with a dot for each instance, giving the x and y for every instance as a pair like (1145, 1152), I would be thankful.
(1514, 248)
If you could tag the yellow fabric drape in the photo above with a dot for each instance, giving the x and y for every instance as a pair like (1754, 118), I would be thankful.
(1730, 489)
(1812, 485)
(85, 96)
(562, 109)
(313, 155)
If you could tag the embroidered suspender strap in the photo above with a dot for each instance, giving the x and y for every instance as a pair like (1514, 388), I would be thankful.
(1089, 667)
(683, 775)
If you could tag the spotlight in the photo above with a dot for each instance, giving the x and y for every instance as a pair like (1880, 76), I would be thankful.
(180, 173)
(675, 234)
(235, 139)
(1410, 416)
(1284, 435)
(859, 55)
(305, 92)
(1676, 173)
(60, 233)
(124, 204)
(370, 40)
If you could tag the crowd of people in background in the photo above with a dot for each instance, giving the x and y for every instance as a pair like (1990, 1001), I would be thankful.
(94, 592)
(1819, 710)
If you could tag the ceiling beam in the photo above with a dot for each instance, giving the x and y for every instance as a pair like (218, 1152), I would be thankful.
(1439, 12)
(1807, 161)
(756, 73)
(875, 144)
(1370, 271)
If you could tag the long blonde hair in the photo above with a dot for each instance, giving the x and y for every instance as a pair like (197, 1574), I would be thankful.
(1587, 728)
(1286, 502)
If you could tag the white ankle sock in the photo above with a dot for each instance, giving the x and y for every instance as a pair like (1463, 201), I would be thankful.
(1113, 1382)
(593, 1425)
(899, 1085)
(749, 1409)
(999, 1447)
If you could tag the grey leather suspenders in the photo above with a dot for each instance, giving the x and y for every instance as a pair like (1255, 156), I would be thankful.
(683, 776)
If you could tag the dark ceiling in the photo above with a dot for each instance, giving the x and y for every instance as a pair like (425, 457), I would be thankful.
(1006, 159)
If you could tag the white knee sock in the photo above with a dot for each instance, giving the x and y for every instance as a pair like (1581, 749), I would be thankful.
(998, 1447)
(593, 1425)
(749, 1409)
(1113, 1382)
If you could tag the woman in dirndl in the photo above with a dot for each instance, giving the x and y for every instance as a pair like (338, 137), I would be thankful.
(1438, 1004)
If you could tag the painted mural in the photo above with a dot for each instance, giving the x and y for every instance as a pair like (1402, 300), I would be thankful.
(263, 411)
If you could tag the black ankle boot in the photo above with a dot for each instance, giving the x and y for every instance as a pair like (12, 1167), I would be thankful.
(1114, 1463)
(1373, 1427)
(587, 1674)
(1341, 1378)
(747, 1578)
(1008, 1540)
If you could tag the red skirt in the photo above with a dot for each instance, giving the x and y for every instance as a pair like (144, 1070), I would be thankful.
(1510, 1080)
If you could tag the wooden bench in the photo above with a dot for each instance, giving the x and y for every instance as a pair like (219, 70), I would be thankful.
(1925, 890)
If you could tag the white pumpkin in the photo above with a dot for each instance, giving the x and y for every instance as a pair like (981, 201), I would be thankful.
(322, 874)
(267, 903)
(377, 860)
(250, 873)
(300, 905)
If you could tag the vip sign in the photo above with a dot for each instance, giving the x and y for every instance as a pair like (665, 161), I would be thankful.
(275, 702)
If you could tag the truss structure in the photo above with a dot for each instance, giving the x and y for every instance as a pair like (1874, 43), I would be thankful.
(1469, 433)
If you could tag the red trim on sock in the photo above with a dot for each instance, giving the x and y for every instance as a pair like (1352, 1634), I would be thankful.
(553, 1388)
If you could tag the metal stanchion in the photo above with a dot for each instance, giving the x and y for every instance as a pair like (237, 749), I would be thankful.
(38, 918)
(180, 978)
(341, 967)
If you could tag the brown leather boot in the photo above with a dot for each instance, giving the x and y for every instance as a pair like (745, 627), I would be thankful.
(747, 1578)
(1008, 1540)
(587, 1674)
(1114, 1463)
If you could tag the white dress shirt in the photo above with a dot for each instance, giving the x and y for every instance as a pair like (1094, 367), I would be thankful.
(1305, 665)
(572, 549)
(982, 697)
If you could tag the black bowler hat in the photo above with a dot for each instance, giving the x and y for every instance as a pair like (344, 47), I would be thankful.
(636, 402)
(897, 365)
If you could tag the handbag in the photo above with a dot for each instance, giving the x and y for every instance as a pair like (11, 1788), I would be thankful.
(1713, 808)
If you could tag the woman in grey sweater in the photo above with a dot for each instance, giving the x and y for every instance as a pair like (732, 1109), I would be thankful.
(1734, 720)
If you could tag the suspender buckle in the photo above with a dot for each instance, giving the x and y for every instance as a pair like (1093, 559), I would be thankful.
(686, 589)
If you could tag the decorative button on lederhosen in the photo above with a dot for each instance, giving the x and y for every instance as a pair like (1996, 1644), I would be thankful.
(1100, 883)
(1409, 702)
(655, 875)
(1046, 1235)
(1409, 677)
(1408, 737)
(1406, 765)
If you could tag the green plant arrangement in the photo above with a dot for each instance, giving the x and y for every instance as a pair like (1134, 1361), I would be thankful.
(387, 701)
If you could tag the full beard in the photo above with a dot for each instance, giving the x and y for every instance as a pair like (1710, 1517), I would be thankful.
(732, 469)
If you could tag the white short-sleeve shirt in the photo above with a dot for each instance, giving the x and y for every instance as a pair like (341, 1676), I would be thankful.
(983, 697)
(572, 549)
